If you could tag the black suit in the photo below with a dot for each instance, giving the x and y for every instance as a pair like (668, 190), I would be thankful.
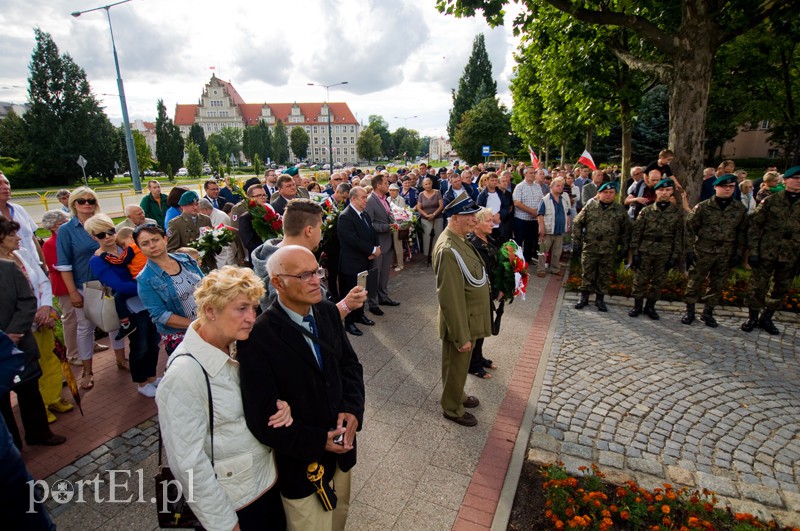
(279, 204)
(221, 201)
(249, 236)
(288, 370)
(357, 240)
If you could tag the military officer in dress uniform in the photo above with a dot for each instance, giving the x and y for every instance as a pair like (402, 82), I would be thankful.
(462, 287)
(186, 227)
(716, 230)
(656, 245)
(774, 243)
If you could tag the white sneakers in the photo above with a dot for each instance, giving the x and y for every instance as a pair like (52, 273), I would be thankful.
(148, 390)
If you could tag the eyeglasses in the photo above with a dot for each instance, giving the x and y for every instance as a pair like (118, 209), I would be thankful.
(83, 201)
(258, 196)
(305, 277)
(102, 235)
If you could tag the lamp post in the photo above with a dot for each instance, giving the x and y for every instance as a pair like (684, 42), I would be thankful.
(327, 102)
(134, 165)
(405, 119)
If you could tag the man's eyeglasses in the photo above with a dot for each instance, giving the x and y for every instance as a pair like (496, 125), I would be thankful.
(83, 201)
(258, 196)
(102, 235)
(305, 277)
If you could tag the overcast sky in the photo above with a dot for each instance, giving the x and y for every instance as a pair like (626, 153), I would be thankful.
(400, 57)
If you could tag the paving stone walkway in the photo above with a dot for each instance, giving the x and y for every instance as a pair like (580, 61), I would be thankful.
(662, 401)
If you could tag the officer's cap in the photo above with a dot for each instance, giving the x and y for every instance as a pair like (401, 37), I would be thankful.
(461, 205)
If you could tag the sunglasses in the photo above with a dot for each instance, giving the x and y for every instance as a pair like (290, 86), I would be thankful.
(102, 235)
(83, 201)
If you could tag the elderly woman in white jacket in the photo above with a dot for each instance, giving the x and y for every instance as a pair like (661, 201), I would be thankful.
(236, 491)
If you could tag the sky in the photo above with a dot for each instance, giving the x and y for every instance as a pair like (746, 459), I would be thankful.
(401, 58)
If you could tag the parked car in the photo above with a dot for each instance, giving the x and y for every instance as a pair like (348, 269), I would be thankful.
(314, 167)
(326, 167)
(182, 172)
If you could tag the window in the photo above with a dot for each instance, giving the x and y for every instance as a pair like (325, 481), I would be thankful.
(314, 129)
(308, 129)
(316, 151)
(337, 140)
(352, 140)
(352, 129)
(352, 151)
(336, 130)
(316, 140)
(216, 103)
(764, 124)
(344, 140)
(296, 119)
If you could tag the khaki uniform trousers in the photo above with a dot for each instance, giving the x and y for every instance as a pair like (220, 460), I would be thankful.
(306, 514)
(455, 366)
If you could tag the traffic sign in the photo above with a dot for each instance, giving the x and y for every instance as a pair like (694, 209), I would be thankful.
(81, 161)
(486, 151)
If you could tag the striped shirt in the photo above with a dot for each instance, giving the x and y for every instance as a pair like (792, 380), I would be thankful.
(531, 196)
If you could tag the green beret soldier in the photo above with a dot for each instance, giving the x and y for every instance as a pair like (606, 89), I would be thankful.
(774, 244)
(186, 227)
(601, 233)
(656, 244)
(716, 230)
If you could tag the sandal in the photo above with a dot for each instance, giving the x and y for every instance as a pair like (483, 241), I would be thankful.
(87, 382)
(482, 374)
(488, 364)
(123, 365)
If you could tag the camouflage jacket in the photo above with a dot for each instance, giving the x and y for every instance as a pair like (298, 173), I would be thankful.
(658, 232)
(602, 231)
(712, 230)
(774, 229)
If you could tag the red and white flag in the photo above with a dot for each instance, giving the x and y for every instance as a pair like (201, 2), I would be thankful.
(587, 160)
(212, 67)
(534, 158)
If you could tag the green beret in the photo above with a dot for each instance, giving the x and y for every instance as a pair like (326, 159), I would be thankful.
(188, 198)
(726, 179)
(291, 171)
(607, 185)
(792, 173)
(664, 183)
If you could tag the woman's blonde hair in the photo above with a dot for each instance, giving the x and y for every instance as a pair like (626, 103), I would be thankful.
(221, 286)
(98, 223)
(772, 176)
(745, 186)
(82, 192)
(482, 214)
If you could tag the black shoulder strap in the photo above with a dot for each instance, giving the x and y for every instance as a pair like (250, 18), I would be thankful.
(210, 411)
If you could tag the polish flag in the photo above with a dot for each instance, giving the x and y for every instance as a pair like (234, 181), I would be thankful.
(587, 160)
(534, 158)
(212, 67)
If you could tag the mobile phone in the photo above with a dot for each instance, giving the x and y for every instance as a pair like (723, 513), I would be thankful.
(361, 279)
(339, 439)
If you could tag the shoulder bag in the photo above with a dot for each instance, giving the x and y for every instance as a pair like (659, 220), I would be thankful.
(98, 305)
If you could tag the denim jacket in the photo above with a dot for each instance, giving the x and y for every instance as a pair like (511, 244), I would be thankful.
(158, 292)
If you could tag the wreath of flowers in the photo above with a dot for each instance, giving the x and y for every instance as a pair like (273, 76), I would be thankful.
(266, 222)
(511, 275)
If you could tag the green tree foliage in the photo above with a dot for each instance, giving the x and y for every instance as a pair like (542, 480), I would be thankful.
(424, 146)
(198, 135)
(228, 141)
(194, 159)
(381, 127)
(64, 120)
(368, 145)
(299, 141)
(475, 85)
(13, 137)
(143, 156)
(407, 142)
(169, 142)
(250, 142)
(257, 140)
(265, 141)
(213, 156)
(280, 143)
(486, 123)
(257, 164)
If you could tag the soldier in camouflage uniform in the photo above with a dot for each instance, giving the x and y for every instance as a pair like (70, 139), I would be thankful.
(716, 230)
(601, 233)
(656, 244)
(774, 243)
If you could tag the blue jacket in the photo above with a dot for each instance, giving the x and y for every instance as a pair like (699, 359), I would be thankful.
(116, 277)
(158, 292)
(506, 202)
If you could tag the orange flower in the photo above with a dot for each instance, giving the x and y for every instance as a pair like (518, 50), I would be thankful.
(624, 515)
(665, 509)
(693, 521)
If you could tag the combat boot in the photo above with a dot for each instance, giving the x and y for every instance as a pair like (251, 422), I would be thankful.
(583, 301)
(708, 317)
(765, 322)
(650, 310)
(688, 317)
(637, 308)
(600, 302)
(752, 321)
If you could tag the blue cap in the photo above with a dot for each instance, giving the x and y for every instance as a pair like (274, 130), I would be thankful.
(461, 205)
(726, 179)
(609, 184)
(188, 198)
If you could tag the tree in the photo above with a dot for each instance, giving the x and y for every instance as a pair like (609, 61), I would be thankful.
(194, 159)
(213, 156)
(407, 142)
(256, 164)
(381, 128)
(368, 145)
(169, 142)
(299, 141)
(475, 85)
(143, 156)
(13, 136)
(265, 141)
(280, 143)
(680, 41)
(198, 135)
(486, 123)
(228, 141)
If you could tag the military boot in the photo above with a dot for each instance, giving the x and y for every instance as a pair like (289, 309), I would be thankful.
(583, 301)
(708, 317)
(765, 322)
(752, 321)
(688, 317)
(637, 308)
(599, 301)
(650, 309)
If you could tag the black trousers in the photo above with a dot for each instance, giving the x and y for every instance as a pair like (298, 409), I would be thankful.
(144, 345)
(265, 513)
(526, 233)
(31, 411)
(346, 283)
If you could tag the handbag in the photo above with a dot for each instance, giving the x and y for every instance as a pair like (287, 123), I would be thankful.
(99, 307)
(178, 514)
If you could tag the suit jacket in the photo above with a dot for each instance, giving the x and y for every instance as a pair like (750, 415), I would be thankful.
(356, 241)
(17, 308)
(221, 201)
(182, 230)
(288, 370)
(381, 222)
(279, 204)
(247, 233)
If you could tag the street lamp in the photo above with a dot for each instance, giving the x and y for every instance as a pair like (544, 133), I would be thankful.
(134, 165)
(405, 119)
(327, 102)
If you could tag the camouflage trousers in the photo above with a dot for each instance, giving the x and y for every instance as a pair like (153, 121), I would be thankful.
(713, 266)
(650, 277)
(761, 295)
(597, 271)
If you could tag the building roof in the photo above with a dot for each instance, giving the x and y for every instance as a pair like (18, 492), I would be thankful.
(185, 113)
(237, 99)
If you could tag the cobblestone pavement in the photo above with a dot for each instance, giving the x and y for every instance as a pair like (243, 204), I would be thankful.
(662, 401)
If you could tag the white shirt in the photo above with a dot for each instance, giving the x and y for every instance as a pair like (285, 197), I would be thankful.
(297, 318)
(493, 203)
(27, 228)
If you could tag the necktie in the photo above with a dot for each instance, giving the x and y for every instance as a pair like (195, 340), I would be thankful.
(364, 219)
(312, 323)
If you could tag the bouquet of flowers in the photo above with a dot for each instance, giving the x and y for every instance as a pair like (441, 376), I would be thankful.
(212, 242)
(403, 216)
(511, 275)
(266, 222)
